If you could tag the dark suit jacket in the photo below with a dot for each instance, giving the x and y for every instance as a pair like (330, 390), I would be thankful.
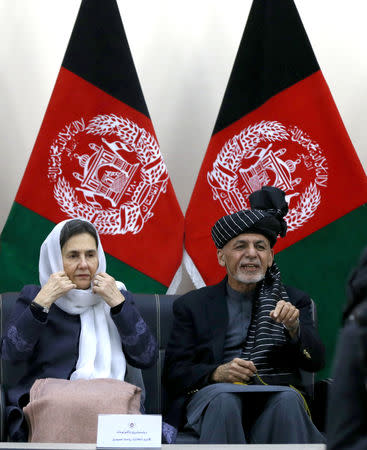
(195, 348)
(347, 405)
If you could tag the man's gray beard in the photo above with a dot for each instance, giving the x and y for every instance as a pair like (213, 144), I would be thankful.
(255, 280)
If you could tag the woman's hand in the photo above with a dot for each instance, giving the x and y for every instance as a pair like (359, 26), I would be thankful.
(57, 285)
(105, 286)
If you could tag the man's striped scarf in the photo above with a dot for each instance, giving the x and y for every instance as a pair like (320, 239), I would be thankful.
(264, 333)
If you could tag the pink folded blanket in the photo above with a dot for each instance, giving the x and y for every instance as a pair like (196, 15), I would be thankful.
(67, 411)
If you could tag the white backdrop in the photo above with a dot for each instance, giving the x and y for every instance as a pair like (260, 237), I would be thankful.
(183, 55)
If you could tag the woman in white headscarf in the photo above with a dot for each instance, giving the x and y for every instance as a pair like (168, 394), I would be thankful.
(79, 324)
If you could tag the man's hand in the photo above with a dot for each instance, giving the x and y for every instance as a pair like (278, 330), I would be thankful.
(57, 285)
(238, 370)
(105, 286)
(287, 314)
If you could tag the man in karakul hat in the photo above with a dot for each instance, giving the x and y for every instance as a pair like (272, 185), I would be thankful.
(237, 346)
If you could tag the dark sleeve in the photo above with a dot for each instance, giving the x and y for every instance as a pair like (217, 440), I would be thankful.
(347, 406)
(23, 330)
(138, 343)
(308, 351)
(188, 361)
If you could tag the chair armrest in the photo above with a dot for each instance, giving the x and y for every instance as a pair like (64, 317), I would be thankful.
(319, 403)
(3, 433)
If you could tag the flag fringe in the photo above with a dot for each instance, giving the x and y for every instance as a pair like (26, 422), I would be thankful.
(175, 283)
(192, 271)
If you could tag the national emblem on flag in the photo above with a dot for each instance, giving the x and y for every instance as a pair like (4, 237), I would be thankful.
(278, 125)
(97, 157)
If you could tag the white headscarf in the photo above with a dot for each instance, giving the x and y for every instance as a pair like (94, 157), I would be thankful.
(100, 351)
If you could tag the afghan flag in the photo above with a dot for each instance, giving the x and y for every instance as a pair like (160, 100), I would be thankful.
(278, 125)
(97, 157)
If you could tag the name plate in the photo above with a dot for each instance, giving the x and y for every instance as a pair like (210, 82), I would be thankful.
(129, 431)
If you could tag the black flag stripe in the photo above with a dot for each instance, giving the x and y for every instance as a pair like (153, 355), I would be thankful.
(98, 52)
(274, 54)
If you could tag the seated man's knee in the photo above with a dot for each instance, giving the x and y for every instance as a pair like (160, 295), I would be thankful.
(225, 400)
(285, 398)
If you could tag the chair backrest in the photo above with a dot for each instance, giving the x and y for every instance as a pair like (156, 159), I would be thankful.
(156, 310)
(308, 378)
(10, 372)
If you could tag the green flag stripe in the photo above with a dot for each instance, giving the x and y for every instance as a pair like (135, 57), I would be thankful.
(320, 265)
(20, 243)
